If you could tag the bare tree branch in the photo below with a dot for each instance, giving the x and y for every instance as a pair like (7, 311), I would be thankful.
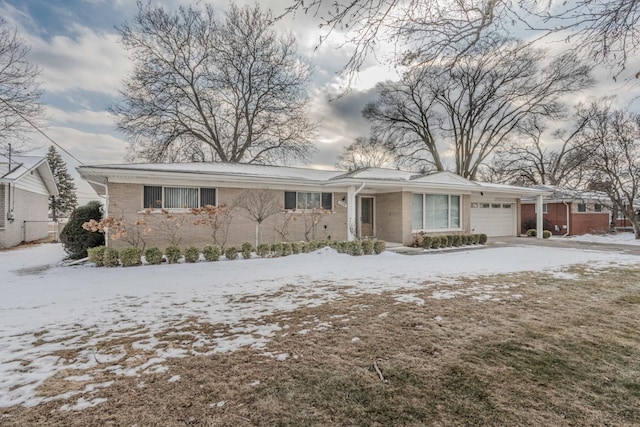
(366, 153)
(19, 90)
(425, 31)
(473, 106)
(204, 89)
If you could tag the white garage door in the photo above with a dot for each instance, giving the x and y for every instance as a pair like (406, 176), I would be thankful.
(493, 219)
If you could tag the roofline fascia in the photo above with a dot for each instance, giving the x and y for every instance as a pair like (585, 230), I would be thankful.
(93, 172)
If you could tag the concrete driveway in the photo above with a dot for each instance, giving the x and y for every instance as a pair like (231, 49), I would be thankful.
(562, 243)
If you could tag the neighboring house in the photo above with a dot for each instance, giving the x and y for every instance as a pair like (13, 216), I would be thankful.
(569, 212)
(387, 204)
(26, 182)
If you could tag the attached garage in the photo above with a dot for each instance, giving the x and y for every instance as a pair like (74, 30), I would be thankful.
(494, 219)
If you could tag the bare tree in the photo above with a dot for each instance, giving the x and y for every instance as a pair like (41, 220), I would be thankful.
(476, 105)
(426, 30)
(369, 152)
(613, 138)
(19, 89)
(536, 158)
(218, 219)
(259, 204)
(202, 88)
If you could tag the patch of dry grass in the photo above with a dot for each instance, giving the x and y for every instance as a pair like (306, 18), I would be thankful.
(566, 352)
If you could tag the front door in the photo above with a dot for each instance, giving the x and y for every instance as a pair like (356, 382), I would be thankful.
(366, 217)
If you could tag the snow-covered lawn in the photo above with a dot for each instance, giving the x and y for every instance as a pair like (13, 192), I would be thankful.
(55, 319)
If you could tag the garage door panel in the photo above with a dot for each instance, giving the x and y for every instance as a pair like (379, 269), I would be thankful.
(495, 220)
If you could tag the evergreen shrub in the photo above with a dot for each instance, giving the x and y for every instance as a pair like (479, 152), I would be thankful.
(75, 239)
(379, 246)
(263, 250)
(153, 256)
(367, 247)
(131, 256)
(246, 250)
(96, 255)
(110, 258)
(211, 252)
(191, 254)
(173, 254)
(231, 253)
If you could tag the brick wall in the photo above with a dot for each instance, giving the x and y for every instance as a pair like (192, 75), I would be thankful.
(584, 223)
(30, 207)
(242, 229)
(390, 225)
(579, 223)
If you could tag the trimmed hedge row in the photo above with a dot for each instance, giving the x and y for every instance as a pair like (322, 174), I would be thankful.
(454, 240)
(108, 257)
(532, 232)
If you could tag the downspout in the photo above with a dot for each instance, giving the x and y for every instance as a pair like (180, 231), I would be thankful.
(352, 211)
(568, 212)
(106, 207)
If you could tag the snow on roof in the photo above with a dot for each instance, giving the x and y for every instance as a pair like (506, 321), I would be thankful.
(305, 174)
(379, 173)
(243, 169)
(20, 165)
(516, 188)
(563, 193)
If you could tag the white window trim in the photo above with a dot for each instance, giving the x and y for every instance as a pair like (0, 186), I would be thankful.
(301, 211)
(424, 210)
(174, 210)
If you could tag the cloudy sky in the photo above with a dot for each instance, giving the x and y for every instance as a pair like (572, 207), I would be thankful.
(76, 45)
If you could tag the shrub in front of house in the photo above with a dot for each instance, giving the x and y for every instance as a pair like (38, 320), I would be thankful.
(96, 255)
(367, 247)
(482, 238)
(110, 257)
(173, 254)
(263, 250)
(296, 247)
(75, 239)
(427, 241)
(131, 256)
(153, 256)
(231, 253)
(276, 249)
(211, 252)
(465, 239)
(286, 249)
(546, 234)
(435, 242)
(191, 254)
(379, 246)
(457, 240)
(532, 232)
(246, 250)
(355, 248)
(450, 240)
(312, 246)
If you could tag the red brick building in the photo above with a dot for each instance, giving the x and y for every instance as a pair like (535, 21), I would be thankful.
(569, 212)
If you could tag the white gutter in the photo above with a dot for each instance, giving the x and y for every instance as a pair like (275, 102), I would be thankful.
(568, 212)
(106, 206)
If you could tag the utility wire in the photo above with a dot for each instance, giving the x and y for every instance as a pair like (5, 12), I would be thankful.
(41, 132)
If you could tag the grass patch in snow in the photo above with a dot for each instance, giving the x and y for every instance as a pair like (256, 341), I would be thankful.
(564, 352)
